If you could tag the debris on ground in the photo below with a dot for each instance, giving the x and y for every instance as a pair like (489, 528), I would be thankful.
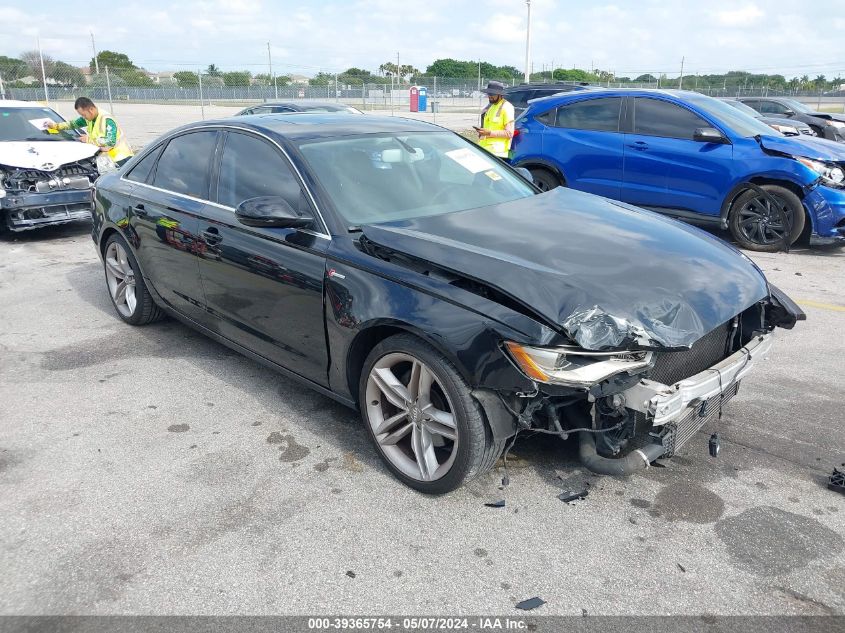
(682, 568)
(531, 603)
(572, 495)
(837, 481)
(496, 504)
(351, 574)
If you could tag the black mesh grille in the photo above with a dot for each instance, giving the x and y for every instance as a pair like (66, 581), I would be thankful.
(670, 367)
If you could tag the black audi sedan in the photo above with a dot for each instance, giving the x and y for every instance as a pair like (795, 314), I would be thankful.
(399, 269)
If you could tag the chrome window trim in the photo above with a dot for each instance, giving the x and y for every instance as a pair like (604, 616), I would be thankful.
(324, 235)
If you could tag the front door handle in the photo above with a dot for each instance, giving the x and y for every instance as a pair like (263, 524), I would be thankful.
(211, 236)
(640, 145)
(139, 211)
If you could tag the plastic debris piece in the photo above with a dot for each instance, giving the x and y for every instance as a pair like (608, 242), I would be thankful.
(496, 504)
(681, 567)
(531, 603)
(351, 574)
(837, 481)
(573, 495)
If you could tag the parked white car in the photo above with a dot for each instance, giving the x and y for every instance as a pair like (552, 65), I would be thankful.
(45, 177)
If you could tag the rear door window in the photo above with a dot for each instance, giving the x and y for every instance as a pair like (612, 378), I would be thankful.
(601, 115)
(185, 164)
(654, 117)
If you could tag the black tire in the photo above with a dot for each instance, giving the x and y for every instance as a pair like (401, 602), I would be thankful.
(544, 179)
(475, 450)
(757, 227)
(145, 311)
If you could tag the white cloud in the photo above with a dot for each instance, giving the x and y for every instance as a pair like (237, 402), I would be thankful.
(743, 16)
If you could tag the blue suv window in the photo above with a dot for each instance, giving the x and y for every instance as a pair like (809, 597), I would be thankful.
(600, 115)
(653, 117)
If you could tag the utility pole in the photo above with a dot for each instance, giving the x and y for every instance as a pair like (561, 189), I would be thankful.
(479, 75)
(681, 80)
(202, 104)
(528, 44)
(94, 48)
(2, 92)
(43, 74)
(270, 64)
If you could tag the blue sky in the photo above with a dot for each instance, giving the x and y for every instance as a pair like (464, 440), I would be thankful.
(629, 38)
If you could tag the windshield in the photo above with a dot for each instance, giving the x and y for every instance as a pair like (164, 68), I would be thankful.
(386, 177)
(27, 124)
(739, 105)
(797, 106)
(742, 124)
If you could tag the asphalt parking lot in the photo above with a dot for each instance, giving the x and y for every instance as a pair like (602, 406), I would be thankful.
(153, 471)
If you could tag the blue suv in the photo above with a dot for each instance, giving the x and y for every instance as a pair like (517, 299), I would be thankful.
(689, 156)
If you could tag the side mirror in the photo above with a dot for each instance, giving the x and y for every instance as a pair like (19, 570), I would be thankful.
(789, 113)
(271, 212)
(709, 135)
(525, 173)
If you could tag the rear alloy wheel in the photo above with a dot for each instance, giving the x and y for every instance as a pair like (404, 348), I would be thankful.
(428, 429)
(127, 289)
(758, 226)
(545, 180)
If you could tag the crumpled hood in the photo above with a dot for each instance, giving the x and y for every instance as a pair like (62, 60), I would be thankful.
(608, 275)
(815, 148)
(38, 154)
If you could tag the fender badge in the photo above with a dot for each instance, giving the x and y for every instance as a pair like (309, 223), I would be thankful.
(333, 273)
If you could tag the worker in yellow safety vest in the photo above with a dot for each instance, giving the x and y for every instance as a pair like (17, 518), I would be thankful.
(101, 130)
(496, 129)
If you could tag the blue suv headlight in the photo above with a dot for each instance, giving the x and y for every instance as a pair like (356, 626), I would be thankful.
(830, 173)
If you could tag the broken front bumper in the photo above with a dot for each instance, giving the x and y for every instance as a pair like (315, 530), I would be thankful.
(31, 209)
(663, 404)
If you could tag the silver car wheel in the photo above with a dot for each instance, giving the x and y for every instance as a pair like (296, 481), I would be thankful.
(121, 279)
(411, 417)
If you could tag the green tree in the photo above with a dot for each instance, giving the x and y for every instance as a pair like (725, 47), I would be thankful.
(115, 61)
(237, 78)
(12, 68)
(67, 74)
(213, 71)
(647, 78)
(573, 74)
(186, 78)
(321, 79)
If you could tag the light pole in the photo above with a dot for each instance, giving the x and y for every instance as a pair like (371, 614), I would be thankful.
(528, 44)
(96, 61)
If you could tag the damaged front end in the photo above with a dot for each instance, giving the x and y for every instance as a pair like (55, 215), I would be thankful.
(32, 198)
(631, 407)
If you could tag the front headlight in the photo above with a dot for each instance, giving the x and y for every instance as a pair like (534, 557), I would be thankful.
(830, 173)
(836, 124)
(573, 366)
(789, 130)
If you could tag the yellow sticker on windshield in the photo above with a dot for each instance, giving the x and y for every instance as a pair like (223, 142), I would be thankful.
(492, 175)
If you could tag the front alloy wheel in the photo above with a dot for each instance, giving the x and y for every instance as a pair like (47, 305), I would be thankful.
(756, 223)
(411, 417)
(422, 418)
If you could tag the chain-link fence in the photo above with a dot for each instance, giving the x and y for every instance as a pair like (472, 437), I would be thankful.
(51, 81)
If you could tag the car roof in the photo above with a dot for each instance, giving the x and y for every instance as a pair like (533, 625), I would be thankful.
(303, 125)
(8, 103)
(563, 97)
(299, 104)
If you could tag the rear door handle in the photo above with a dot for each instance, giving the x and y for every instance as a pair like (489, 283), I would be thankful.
(139, 211)
(640, 145)
(211, 236)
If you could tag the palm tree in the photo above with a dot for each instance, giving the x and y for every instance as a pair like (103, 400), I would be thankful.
(212, 71)
(820, 81)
